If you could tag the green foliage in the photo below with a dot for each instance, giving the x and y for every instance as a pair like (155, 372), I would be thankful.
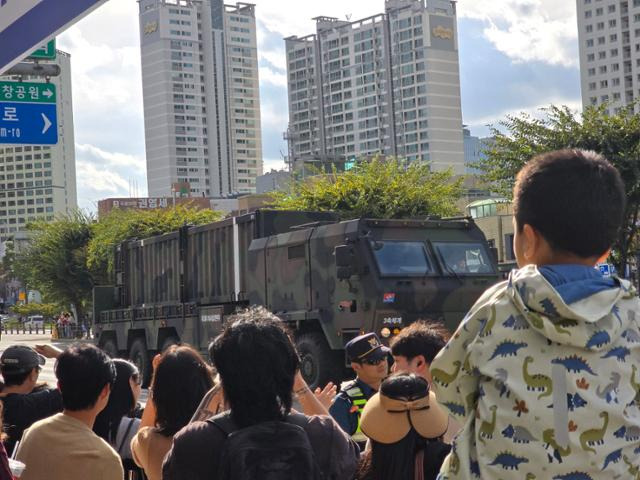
(120, 225)
(378, 189)
(48, 310)
(617, 137)
(55, 261)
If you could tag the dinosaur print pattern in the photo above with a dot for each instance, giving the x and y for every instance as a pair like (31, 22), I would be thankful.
(498, 374)
(574, 364)
(598, 339)
(507, 349)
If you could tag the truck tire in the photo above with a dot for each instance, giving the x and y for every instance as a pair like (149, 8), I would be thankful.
(110, 348)
(318, 363)
(139, 356)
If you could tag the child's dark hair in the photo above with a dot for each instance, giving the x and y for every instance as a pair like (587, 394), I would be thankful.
(420, 338)
(574, 198)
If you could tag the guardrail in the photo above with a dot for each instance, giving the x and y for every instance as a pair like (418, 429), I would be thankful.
(28, 329)
(62, 332)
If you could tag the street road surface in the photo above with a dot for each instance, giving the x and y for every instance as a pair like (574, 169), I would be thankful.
(46, 375)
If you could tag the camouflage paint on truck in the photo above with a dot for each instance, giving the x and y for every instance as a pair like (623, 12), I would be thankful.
(329, 280)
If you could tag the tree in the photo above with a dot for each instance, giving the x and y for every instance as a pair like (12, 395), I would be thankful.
(55, 263)
(617, 137)
(48, 310)
(120, 225)
(377, 188)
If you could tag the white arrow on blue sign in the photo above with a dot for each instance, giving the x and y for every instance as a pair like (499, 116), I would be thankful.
(27, 24)
(28, 123)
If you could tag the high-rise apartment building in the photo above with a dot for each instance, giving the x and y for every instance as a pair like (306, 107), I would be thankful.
(609, 38)
(389, 84)
(201, 96)
(38, 181)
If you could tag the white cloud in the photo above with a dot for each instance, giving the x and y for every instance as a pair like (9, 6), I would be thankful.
(480, 126)
(101, 174)
(273, 164)
(528, 30)
(268, 75)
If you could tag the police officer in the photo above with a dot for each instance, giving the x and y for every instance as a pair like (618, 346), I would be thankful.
(369, 360)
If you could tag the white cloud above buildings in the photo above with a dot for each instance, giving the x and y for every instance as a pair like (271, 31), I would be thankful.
(107, 89)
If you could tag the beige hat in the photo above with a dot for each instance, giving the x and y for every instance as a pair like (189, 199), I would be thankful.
(389, 414)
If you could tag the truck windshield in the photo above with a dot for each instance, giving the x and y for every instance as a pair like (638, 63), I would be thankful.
(464, 258)
(401, 258)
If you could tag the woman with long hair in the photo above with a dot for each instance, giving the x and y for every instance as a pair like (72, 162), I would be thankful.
(405, 426)
(115, 423)
(180, 380)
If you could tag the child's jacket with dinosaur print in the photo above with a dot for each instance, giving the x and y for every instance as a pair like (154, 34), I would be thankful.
(545, 390)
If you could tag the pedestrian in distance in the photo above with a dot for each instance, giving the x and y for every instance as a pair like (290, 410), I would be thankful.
(180, 380)
(24, 401)
(402, 422)
(370, 361)
(543, 371)
(64, 447)
(259, 436)
(116, 423)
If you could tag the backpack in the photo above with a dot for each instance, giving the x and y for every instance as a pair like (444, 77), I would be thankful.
(274, 450)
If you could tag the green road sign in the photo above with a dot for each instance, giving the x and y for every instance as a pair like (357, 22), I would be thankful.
(27, 92)
(47, 51)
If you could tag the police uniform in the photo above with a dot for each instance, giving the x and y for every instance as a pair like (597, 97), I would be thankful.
(350, 401)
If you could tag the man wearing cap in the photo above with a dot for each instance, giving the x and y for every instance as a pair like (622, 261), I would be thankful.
(369, 360)
(24, 404)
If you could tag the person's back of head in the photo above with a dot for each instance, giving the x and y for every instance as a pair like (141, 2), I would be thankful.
(121, 400)
(257, 362)
(420, 338)
(20, 365)
(83, 371)
(574, 198)
(180, 381)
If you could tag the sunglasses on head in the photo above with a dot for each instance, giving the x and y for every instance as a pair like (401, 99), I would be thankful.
(372, 361)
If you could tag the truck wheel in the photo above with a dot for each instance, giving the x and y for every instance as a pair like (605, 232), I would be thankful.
(318, 363)
(110, 348)
(139, 356)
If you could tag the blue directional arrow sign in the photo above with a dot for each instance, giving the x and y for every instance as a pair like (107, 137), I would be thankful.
(27, 24)
(28, 123)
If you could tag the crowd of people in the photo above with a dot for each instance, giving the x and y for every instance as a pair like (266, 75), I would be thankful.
(541, 379)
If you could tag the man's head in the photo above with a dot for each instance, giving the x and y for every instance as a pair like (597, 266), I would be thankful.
(568, 204)
(20, 365)
(415, 347)
(257, 363)
(85, 377)
(369, 358)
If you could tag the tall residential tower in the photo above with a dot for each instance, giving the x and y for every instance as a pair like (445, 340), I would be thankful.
(389, 84)
(609, 38)
(201, 96)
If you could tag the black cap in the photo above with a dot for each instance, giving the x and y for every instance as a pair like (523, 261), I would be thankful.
(20, 359)
(367, 346)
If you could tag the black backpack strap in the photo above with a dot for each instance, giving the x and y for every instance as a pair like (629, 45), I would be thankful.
(224, 423)
(126, 434)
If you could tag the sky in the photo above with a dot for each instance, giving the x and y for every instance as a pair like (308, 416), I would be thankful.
(515, 56)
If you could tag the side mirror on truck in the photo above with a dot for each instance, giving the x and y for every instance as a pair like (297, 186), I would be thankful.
(344, 261)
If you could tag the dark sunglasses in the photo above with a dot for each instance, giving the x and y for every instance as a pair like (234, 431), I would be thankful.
(373, 361)
(136, 379)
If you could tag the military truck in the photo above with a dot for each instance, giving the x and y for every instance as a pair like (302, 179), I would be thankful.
(329, 280)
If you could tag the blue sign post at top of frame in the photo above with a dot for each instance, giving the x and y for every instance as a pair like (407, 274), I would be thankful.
(27, 24)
